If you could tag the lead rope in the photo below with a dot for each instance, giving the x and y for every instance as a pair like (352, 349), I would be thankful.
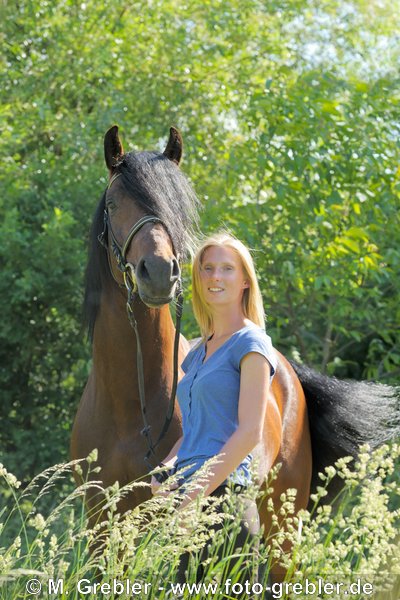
(139, 365)
(171, 405)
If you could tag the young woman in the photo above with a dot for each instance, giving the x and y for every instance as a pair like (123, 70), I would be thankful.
(224, 393)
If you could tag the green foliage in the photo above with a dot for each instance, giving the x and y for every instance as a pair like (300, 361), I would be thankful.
(289, 112)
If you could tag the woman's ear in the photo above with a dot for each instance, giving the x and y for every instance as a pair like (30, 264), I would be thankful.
(246, 284)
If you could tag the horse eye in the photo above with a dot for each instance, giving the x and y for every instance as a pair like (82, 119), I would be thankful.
(110, 204)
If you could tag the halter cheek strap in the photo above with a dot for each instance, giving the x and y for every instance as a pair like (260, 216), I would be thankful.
(113, 178)
(120, 251)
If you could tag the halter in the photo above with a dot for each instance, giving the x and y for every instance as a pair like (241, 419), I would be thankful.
(119, 251)
(130, 283)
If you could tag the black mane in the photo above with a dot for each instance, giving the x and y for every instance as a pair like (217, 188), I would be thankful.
(158, 186)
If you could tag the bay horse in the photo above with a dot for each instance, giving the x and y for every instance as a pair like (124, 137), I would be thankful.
(311, 419)
(145, 219)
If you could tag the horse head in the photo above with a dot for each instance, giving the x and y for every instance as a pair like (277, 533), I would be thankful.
(148, 208)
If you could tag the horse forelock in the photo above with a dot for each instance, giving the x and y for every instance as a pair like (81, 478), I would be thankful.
(157, 185)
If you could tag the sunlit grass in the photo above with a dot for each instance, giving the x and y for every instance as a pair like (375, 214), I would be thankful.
(356, 542)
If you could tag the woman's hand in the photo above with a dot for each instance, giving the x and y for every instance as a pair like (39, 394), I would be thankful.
(155, 485)
(168, 462)
(156, 488)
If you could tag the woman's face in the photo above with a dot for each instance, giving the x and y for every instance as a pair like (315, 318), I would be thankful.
(222, 276)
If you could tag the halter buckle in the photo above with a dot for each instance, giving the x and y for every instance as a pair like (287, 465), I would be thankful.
(145, 431)
(129, 278)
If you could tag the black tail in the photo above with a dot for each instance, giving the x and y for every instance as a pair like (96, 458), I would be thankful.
(345, 414)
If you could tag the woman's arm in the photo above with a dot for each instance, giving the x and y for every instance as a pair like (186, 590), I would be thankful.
(169, 462)
(254, 386)
(170, 459)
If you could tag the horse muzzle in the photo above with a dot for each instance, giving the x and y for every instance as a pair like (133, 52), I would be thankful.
(156, 280)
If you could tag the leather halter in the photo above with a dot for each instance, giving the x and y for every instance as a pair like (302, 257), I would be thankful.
(130, 284)
(119, 251)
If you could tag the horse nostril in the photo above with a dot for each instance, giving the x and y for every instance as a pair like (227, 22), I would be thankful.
(141, 270)
(175, 269)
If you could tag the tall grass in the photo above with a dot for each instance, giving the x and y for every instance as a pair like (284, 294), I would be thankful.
(353, 542)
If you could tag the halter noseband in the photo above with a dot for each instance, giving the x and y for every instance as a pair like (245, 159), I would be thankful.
(128, 271)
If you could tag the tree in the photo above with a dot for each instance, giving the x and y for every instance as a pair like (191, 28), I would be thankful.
(290, 124)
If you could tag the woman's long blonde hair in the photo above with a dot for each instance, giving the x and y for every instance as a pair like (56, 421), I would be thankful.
(252, 303)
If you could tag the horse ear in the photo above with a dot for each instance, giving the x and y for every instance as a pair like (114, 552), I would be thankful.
(173, 151)
(112, 147)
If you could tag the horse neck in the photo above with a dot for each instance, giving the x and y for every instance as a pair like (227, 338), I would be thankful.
(115, 350)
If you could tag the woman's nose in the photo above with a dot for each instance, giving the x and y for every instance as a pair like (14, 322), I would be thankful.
(216, 274)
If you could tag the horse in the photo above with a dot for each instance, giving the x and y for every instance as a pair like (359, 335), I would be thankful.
(146, 220)
(149, 205)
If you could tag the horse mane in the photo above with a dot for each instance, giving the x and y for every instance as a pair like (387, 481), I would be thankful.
(158, 186)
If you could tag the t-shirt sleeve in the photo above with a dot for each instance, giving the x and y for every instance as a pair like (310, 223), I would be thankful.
(255, 341)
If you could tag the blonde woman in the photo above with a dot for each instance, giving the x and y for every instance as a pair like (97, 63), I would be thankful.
(223, 395)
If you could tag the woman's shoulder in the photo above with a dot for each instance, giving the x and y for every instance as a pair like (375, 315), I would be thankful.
(251, 328)
(253, 338)
(251, 331)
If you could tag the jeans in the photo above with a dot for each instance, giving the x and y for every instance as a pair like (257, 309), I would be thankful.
(248, 532)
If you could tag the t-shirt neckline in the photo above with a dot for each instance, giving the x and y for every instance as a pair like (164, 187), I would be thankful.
(204, 345)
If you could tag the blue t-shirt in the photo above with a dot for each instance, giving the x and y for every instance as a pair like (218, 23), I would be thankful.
(208, 396)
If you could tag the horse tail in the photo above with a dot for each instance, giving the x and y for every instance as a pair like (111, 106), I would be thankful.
(343, 415)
